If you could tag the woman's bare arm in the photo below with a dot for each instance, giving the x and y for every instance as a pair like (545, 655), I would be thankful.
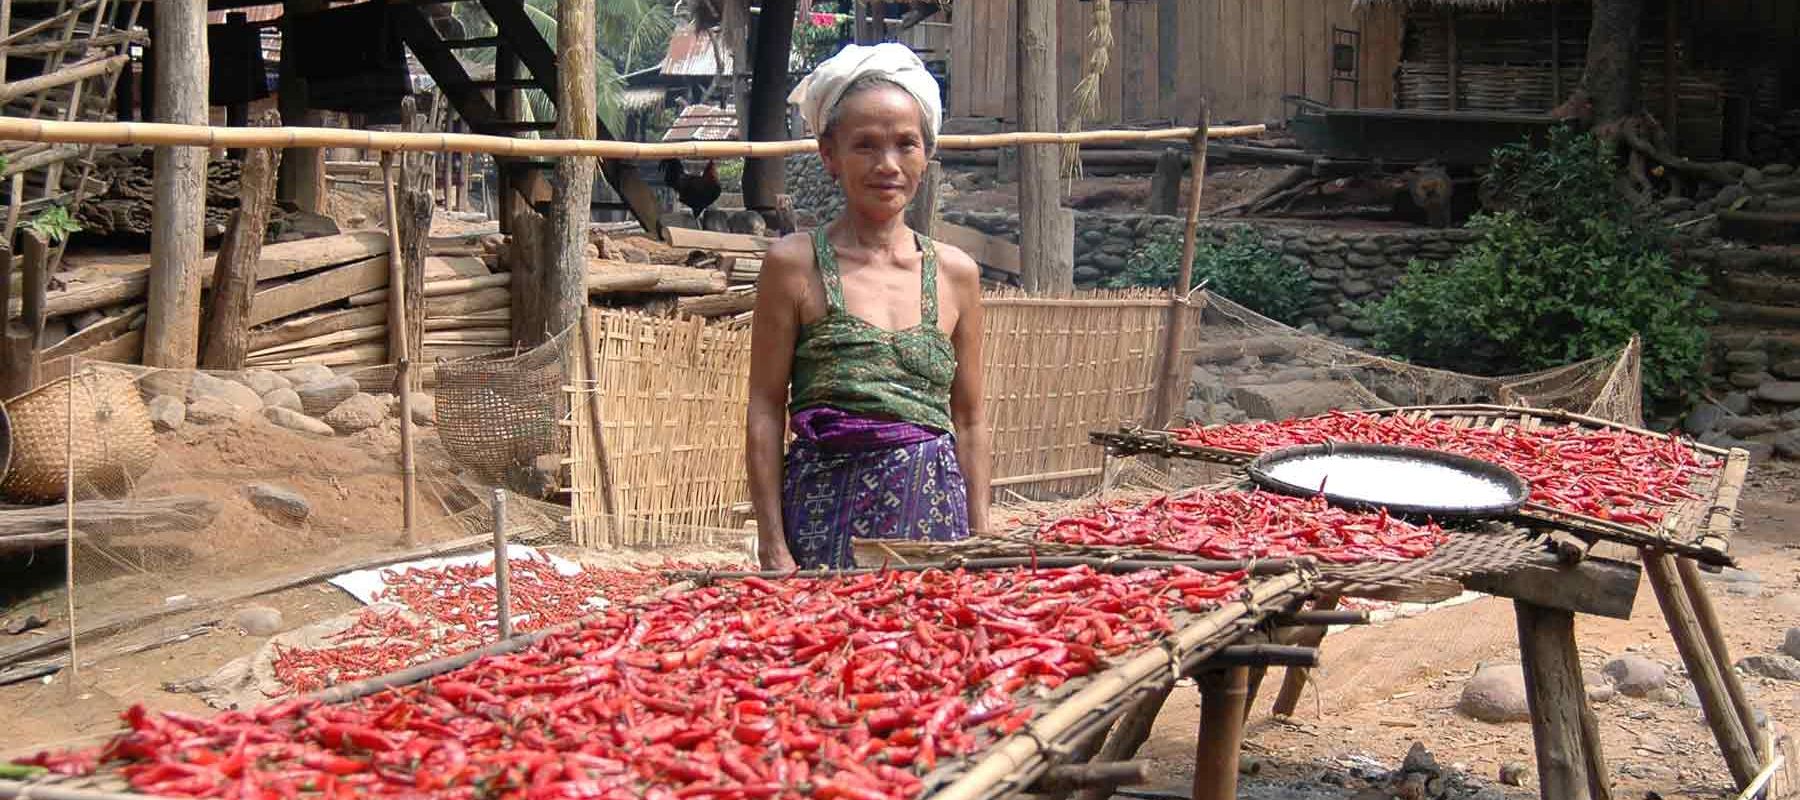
(774, 329)
(974, 448)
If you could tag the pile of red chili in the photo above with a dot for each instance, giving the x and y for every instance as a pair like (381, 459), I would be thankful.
(454, 610)
(840, 689)
(1242, 525)
(1609, 474)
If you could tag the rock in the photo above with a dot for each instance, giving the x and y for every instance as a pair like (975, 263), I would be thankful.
(1704, 419)
(1365, 260)
(1087, 275)
(167, 413)
(210, 410)
(1690, 696)
(1109, 263)
(715, 219)
(279, 503)
(1418, 759)
(294, 420)
(263, 381)
(747, 222)
(424, 409)
(1753, 380)
(1790, 644)
(257, 620)
(1364, 326)
(305, 223)
(1747, 359)
(1787, 392)
(1787, 445)
(1367, 246)
(1513, 773)
(358, 412)
(1634, 675)
(1729, 195)
(1297, 399)
(1746, 427)
(1337, 322)
(1777, 170)
(284, 398)
(1496, 694)
(207, 387)
(1780, 667)
(319, 397)
(308, 373)
(1736, 403)
(1602, 693)
(1358, 288)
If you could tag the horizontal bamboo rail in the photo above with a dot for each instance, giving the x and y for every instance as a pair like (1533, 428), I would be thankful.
(154, 133)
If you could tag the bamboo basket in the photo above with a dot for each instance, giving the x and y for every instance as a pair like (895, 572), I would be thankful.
(1699, 529)
(114, 443)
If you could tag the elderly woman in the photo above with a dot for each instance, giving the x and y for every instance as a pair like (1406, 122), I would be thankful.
(867, 339)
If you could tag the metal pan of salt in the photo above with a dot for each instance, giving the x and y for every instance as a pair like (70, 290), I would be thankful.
(1408, 481)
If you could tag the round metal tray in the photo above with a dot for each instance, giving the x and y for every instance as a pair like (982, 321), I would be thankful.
(1516, 488)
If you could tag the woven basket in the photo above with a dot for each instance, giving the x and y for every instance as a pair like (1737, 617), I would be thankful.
(114, 443)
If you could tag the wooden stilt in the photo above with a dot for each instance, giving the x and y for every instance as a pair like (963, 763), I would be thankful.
(1599, 775)
(1295, 680)
(1685, 630)
(1130, 734)
(1554, 689)
(1714, 633)
(1222, 696)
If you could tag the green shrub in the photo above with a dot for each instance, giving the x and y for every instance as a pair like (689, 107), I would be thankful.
(1564, 272)
(54, 223)
(1241, 268)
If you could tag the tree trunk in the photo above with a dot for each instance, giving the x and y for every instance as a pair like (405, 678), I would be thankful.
(225, 338)
(561, 286)
(763, 177)
(1610, 79)
(178, 217)
(1047, 270)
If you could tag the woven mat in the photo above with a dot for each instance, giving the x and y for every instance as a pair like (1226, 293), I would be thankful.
(1493, 549)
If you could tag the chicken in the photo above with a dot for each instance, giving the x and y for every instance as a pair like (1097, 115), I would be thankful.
(697, 192)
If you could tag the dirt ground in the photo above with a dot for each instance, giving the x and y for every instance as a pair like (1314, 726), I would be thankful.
(1381, 687)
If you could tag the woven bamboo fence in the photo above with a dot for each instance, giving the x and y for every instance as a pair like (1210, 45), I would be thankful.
(673, 396)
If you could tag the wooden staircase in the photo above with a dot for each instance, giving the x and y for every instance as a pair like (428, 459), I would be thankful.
(516, 39)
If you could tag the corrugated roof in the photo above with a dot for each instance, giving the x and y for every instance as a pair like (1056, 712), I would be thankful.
(691, 54)
(704, 123)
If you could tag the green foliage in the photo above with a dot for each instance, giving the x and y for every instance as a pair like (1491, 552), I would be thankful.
(731, 174)
(818, 37)
(1241, 268)
(1563, 272)
(54, 223)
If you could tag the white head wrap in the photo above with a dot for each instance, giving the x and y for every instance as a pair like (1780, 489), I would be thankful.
(819, 92)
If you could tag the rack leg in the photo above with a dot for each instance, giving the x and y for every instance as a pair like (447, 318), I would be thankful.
(1554, 689)
(1708, 683)
(1295, 680)
(1714, 633)
(1222, 696)
(1129, 735)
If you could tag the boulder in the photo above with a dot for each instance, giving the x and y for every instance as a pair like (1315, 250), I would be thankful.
(1790, 644)
(1752, 380)
(424, 409)
(1703, 419)
(1496, 694)
(1786, 392)
(284, 398)
(1779, 667)
(211, 410)
(1747, 359)
(257, 620)
(167, 413)
(232, 393)
(1297, 399)
(1746, 427)
(1736, 403)
(358, 412)
(308, 373)
(279, 503)
(319, 397)
(294, 420)
(263, 381)
(1634, 675)
(1786, 444)
(1358, 288)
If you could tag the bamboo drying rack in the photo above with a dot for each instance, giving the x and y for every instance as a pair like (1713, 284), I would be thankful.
(1697, 529)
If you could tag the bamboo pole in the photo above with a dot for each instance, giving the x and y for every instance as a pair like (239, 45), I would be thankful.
(396, 330)
(69, 524)
(1293, 682)
(1162, 403)
(171, 135)
(502, 567)
(590, 363)
(1713, 632)
(1733, 741)
(1223, 695)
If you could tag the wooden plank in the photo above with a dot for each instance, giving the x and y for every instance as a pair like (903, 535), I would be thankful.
(1310, 38)
(1148, 39)
(1071, 54)
(989, 251)
(1383, 29)
(443, 268)
(316, 325)
(95, 334)
(1293, 49)
(1599, 586)
(1168, 56)
(1193, 48)
(962, 60)
(710, 240)
(316, 290)
(1227, 82)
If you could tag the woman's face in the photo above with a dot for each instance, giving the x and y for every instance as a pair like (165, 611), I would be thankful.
(876, 150)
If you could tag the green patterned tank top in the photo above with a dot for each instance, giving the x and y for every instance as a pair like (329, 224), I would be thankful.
(842, 361)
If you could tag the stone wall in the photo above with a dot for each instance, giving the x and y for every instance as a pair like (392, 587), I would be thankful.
(1348, 266)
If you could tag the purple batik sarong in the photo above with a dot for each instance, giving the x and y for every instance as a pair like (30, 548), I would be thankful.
(848, 476)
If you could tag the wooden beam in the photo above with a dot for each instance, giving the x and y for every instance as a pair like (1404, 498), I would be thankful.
(1599, 586)
(712, 240)
(225, 338)
(1555, 693)
(766, 120)
(1047, 269)
(1294, 681)
(318, 289)
(178, 213)
(96, 334)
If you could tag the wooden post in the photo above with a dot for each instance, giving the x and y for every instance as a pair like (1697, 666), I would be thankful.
(562, 284)
(178, 215)
(398, 354)
(1685, 630)
(1671, 79)
(923, 212)
(414, 204)
(1554, 690)
(1450, 55)
(225, 336)
(506, 107)
(767, 115)
(590, 364)
(1222, 695)
(237, 115)
(18, 353)
(864, 24)
(1165, 184)
(1040, 195)
(1713, 631)
(302, 168)
(1294, 681)
(1162, 404)
(735, 27)
(502, 567)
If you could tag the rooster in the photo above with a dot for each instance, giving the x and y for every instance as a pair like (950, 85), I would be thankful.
(696, 191)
